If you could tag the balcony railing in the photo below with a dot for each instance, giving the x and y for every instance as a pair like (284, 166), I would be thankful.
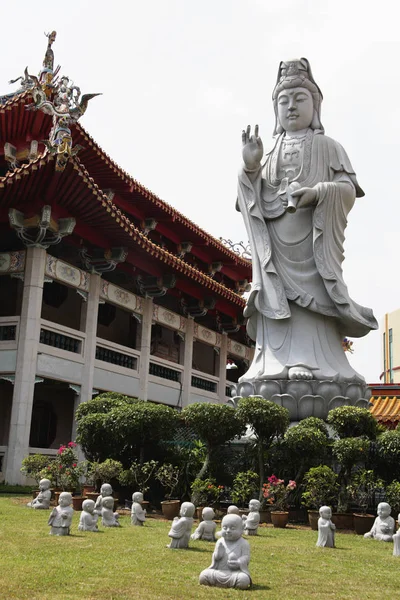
(116, 358)
(164, 372)
(8, 333)
(60, 340)
(204, 384)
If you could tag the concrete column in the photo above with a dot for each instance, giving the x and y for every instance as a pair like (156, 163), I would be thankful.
(25, 372)
(89, 326)
(187, 363)
(223, 356)
(145, 342)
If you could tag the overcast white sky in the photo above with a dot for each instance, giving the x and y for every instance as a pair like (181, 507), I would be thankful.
(180, 79)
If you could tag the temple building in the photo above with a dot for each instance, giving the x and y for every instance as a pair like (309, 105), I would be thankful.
(104, 286)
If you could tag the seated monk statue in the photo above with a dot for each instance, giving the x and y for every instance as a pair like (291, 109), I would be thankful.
(326, 529)
(42, 500)
(231, 557)
(138, 514)
(105, 490)
(109, 518)
(383, 527)
(252, 520)
(206, 529)
(182, 526)
(88, 518)
(396, 540)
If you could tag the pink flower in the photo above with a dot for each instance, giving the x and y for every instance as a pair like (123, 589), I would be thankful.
(74, 465)
(71, 445)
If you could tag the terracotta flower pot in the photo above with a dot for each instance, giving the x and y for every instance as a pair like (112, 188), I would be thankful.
(265, 516)
(87, 489)
(280, 518)
(77, 502)
(92, 495)
(35, 493)
(170, 508)
(363, 523)
(343, 520)
(313, 516)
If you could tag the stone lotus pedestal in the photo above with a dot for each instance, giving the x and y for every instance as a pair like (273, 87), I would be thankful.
(304, 399)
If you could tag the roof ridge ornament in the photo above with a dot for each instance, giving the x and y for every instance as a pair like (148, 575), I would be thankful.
(60, 98)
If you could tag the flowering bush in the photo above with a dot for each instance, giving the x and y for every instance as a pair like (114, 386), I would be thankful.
(66, 468)
(276, 493)
(206, 491)
(245, 487)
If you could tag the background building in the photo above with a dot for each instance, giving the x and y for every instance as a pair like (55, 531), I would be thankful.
(104, 286)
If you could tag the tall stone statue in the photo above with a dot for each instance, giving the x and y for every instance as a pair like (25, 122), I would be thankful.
(295, 205)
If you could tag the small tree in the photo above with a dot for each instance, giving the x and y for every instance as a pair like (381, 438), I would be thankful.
(138, 475)
(33, 465)
(393, 495)
(348, 452)
(320, 487)
(245, 487)
(314, 423)
(363, 487)
(353, 422)
(168, 476)
(214, 425)
(388, 454)
(268, 422)
(305, 445)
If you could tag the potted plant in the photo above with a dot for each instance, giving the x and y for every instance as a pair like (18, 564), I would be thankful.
(32, 466)
(362, 491)
(245, 487)
(138, 476)
(279, 493)
(168, 476)
(69, 471)
(320, 489)
(90, 478)
(393, 496)
(205, 492)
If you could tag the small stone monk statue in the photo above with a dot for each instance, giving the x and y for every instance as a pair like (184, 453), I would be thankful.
(252, 520)
(383, 527)
(105, 490)
(61, 516)
(138, 514)
(206, 529)
(231, 557)
(182, 526)
(88, 518)
(42, 500)
(396, 540)
(326, 529)
(109, 518)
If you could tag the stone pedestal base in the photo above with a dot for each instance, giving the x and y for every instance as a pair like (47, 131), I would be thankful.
(305, 398)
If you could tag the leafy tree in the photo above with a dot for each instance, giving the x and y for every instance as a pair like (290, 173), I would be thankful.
(304, 446)
(321, 487)
(348, 452)
(388, 454)
(314, 423)
(245, 486)
(353, 422)
(268, 422)
(103, 403)
(214, 425)
(123, 429)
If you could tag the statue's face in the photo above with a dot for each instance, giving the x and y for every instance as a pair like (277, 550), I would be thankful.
(326, 514)
(64, 500)
(383, 510)
(108, 502)
(106, 489)
(232, 527)
(295, 109)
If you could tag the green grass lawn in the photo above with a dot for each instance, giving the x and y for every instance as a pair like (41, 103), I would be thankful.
(133, 562)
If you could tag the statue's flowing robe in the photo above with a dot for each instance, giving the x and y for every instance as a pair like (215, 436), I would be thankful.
(220, 574)
(299, 307)
(326, 535)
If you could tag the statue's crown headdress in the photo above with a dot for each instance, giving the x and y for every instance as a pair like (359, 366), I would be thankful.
(297, 73)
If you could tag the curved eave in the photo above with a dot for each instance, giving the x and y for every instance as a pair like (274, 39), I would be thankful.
(78, 194)
(120, 181)
(385, 410)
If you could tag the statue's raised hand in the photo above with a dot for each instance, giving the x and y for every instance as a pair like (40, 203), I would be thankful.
(252, 148)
